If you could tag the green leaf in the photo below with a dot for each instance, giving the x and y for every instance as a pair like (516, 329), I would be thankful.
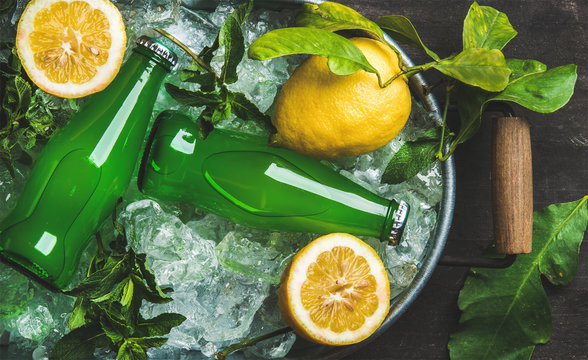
(542, 92)
(412, 157)
(160, 325)
(127, 293)
(231, 37)
(487, 28)
(193, 76)
(193, 98)
(221, 112)
(483, 68)
(130, 350)
(520, 68)
(530, 86)
(402, 30)
(102, 281)
(77, 318)
(470, 104)
(344, 58)
(80, 343)
(505, 312)
(246, 110)
(331, 16)
(149, 342)
(155, 296)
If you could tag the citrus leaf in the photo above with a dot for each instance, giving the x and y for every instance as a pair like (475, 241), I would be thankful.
(344, 58)
(530, 86)
(193, 98)
(80, 343)
(412, 157)
(487, 28)
(333, 17)
(483, 68)
(402, 30)
(505, 312)
(520, 68)
(542, 92)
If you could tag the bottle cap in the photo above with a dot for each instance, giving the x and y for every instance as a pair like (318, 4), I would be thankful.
(159, 49)
(398, 223)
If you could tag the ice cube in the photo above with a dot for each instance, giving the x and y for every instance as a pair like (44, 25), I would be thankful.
(36, 324)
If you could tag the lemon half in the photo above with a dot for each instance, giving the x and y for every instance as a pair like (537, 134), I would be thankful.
(71, 48)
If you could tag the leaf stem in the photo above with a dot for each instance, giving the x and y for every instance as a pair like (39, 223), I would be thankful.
(196, 58)
(409, 71)
(221, 355)
(440, 154)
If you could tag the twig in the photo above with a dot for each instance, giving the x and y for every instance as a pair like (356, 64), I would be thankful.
(221, 355)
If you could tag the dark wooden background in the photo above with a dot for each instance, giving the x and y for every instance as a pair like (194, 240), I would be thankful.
(556, 33)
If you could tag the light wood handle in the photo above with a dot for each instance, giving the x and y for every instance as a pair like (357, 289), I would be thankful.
(512, 185)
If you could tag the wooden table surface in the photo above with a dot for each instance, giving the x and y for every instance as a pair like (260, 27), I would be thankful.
(554, 32)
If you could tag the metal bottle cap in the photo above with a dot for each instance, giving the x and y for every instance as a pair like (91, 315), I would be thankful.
(398, 224)
(158, 48)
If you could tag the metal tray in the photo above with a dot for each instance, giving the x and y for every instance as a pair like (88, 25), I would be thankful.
(307, 351)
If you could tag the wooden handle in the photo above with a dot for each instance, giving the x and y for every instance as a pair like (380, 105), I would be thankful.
(512, 186)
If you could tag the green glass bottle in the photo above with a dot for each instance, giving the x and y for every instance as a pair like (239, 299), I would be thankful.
(82, 171)
(241, 178)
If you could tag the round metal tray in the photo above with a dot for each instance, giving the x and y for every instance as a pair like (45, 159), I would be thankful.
(307, 351)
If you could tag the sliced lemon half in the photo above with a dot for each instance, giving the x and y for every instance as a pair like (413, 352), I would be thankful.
(335, 291)
(71, 48)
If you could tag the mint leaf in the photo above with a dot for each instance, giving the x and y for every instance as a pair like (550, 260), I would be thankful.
(193, 98)
(204, 79)
(344, 58)
(483, 68)
(80, 343)
(412, 157)
(130, 350)
(149, 342)
(331, 16)
(402, 30)
(505, 312)
(102, 281)
(487, 28)
(231, 37)
(246, 110)
(160, 325)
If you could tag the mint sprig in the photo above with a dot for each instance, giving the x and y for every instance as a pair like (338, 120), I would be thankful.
(108, 300)
(218, 101)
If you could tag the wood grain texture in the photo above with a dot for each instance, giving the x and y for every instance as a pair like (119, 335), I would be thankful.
(512, 185)
(554, 32)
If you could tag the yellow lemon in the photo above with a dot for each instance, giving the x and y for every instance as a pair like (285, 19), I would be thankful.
(335, 291)
(324, 115)
(71, 48)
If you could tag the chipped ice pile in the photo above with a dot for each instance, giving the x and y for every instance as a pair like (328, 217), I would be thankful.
(224, 275)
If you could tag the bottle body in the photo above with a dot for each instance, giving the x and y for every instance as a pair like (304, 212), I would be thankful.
(82, 171)
(241, 178)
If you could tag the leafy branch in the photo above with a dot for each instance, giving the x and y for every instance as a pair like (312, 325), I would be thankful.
(108, 300)
(505, 312)
(480, 72)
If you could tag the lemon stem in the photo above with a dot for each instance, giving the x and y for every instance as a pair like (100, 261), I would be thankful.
(196, 58)
(409, 71)
(439, 153)
(221, 355)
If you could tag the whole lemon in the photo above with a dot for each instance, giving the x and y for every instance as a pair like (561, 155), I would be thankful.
(324, 115)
